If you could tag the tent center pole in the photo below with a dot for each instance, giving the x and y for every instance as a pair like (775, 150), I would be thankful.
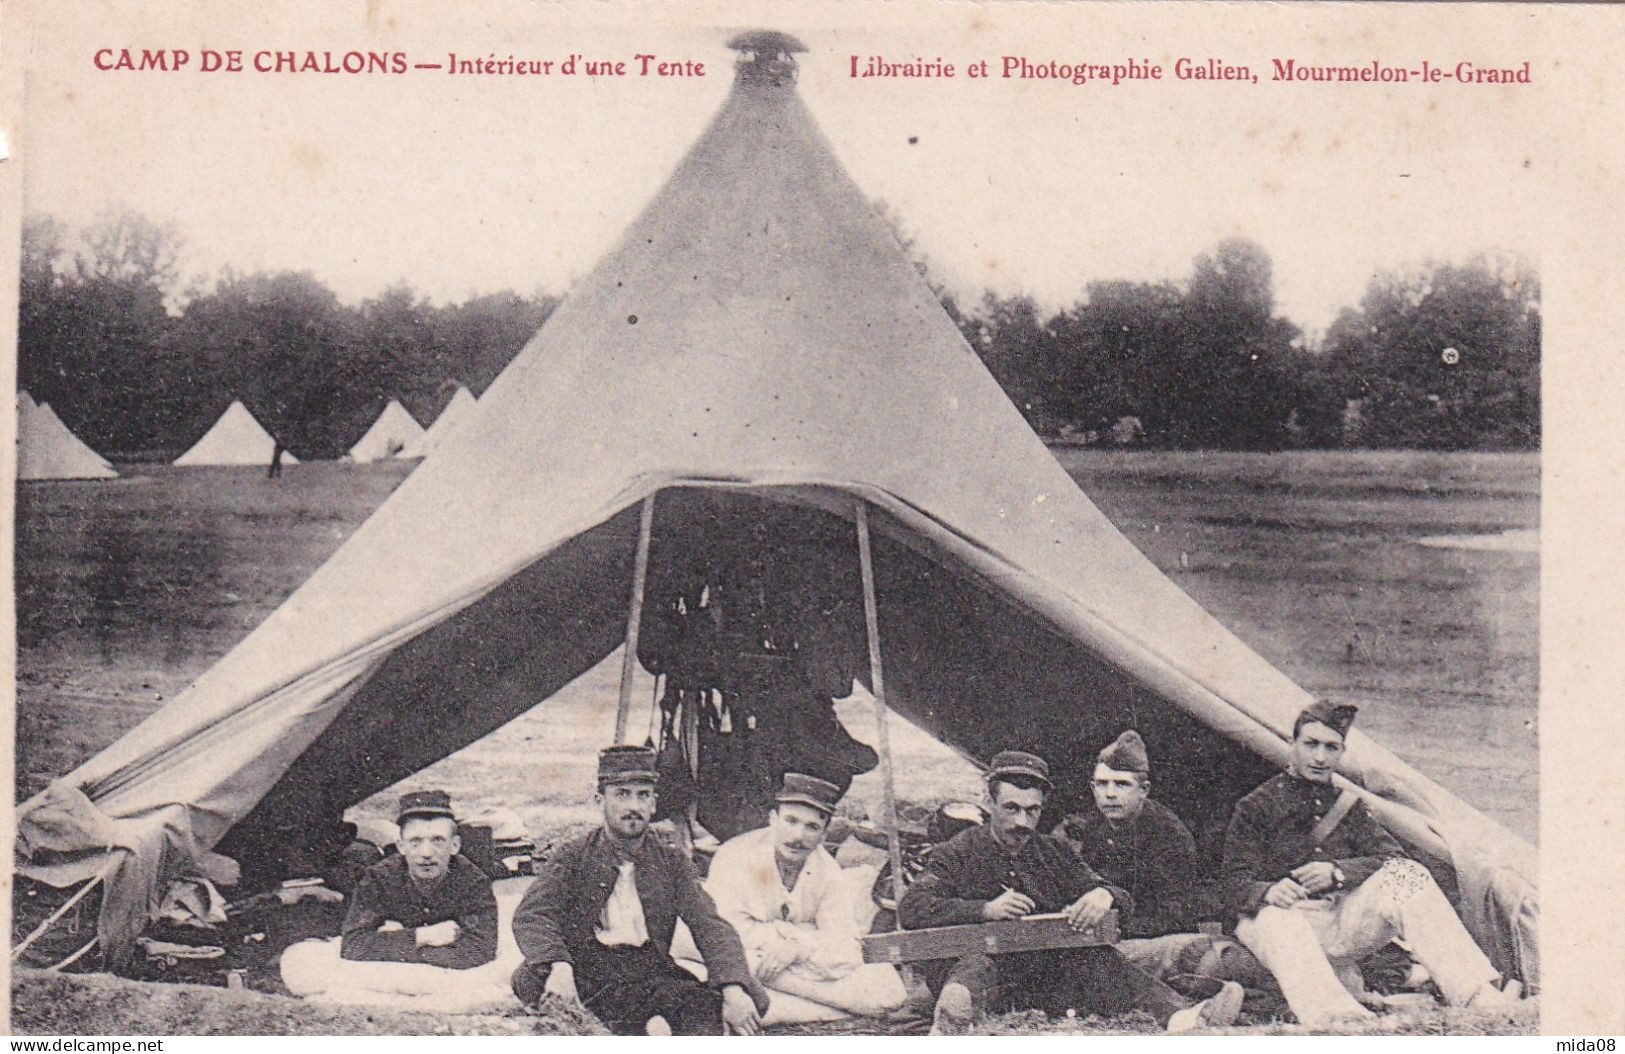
(691, 751)
(634, 616)
(877, 682)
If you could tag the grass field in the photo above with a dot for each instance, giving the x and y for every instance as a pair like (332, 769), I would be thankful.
(128, 589)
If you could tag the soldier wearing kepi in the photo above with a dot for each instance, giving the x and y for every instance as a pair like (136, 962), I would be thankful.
(787, 897)
(1006, 870)
(1137, 842)
(596, 925)
(428, 905)
(1317, 883)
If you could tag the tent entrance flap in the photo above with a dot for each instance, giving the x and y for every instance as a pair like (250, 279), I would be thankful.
(459, 680)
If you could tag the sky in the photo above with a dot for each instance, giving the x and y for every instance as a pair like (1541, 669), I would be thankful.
(468, 184)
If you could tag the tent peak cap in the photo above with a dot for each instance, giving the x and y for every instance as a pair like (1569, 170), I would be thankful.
(760, 40)
(766, 57)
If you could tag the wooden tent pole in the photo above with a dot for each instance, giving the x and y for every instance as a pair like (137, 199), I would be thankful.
(877, 683)
(75, 957)
(634, 617)
(691, 750)
(84, 890)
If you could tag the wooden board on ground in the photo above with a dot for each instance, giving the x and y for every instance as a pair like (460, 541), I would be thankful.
(1033, 933)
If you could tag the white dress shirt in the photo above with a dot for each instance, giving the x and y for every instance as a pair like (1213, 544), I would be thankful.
(816, 914)
(621, 923)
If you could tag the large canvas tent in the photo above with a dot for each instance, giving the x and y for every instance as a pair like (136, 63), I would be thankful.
(760, 360)
(236, 438)
(462, 406)
(48, 449)
(394, 430)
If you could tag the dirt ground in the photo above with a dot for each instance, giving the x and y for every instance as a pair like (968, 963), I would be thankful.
(55, 1004)
(128, 589)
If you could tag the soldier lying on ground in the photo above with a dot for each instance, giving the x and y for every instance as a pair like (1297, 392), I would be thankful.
(424, 918)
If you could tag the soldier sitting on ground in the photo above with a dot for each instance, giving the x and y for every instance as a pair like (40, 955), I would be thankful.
(1316, 884)
(1136, 842)
(1005, 870)
(793, 906)
(596, 926)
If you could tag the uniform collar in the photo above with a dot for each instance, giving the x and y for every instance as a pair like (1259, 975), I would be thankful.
(1013, 854)
(1307, 786)
(614, 850)
(1127, 826)
(810, 866)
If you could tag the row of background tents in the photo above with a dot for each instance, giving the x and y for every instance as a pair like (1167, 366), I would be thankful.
(47, 449)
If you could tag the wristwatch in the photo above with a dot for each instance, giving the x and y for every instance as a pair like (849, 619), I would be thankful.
(1339, 880)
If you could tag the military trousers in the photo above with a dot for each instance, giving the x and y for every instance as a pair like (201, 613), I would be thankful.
(625, 987)
(1314, 947)
(1096, 980)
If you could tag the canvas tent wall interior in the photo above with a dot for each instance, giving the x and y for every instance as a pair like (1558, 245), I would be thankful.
(759, 355)
(236, 438)
(48, 449)
(390, 435)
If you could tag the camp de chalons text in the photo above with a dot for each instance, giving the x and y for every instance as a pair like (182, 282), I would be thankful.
(1010, 67)
(1017, 67)
(236, 60)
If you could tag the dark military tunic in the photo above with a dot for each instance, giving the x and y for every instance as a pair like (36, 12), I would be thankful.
(1152, 856)
(973, 868)
(389, 893)
(1269, 834)
(557, 921)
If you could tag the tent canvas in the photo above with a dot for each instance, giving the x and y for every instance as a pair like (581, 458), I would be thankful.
(758, 355)
(48, 449)
(390, 435)
(235, 439)
(461, 407)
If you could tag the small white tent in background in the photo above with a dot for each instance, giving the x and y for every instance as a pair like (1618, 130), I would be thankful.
(47, 449)
(460, 409)
(394, 431)
(67, 442)
(236, 439)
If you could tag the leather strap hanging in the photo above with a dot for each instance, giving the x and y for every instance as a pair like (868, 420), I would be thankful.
(1345, 803)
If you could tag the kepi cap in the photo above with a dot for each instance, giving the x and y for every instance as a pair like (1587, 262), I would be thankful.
(1333, 715)
(1126, 753)
(627, 764)
(425, 805)
(1021, 764)
(811, 791)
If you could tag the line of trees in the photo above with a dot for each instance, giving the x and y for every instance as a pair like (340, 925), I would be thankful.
(1444, 357)
(137, 366)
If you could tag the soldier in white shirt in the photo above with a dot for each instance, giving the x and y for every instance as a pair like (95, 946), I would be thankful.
(794, 910)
